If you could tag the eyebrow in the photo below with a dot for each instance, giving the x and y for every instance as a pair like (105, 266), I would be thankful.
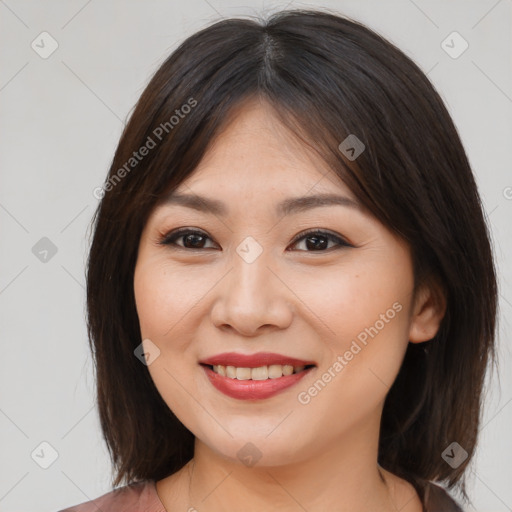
(286, 207)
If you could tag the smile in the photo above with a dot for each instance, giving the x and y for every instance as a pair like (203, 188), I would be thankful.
(254, 377)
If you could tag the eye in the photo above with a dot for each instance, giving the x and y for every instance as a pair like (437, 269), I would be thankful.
(315, 239)
(319, 239)
(191, 237)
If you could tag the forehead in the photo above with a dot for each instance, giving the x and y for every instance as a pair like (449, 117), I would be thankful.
(256, 153)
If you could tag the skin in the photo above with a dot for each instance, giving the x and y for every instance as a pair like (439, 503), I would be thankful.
(294, 299)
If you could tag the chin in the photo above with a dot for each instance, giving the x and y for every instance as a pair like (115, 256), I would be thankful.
(256, 448)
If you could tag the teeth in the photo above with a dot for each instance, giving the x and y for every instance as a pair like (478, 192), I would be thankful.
(260, 373)
(273, 371)
(243, 373)
(287, 369)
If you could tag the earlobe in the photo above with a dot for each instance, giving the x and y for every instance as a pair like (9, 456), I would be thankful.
(428, 312)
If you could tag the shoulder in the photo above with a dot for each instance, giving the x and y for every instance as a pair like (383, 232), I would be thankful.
(136, 497)
(437, 499)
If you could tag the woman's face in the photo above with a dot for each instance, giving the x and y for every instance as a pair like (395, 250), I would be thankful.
(248, 283)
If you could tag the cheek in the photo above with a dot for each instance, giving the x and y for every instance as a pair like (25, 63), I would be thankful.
(365, 343)
(162, 308)
(164, 297)
(168, 302)
(361, 298)
(364, 311)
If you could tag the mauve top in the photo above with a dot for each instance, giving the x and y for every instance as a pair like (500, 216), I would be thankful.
(142, 497)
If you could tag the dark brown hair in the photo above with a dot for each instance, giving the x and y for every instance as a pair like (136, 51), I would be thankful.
(327, 77)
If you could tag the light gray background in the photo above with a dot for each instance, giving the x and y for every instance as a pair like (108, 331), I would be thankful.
(61, 118)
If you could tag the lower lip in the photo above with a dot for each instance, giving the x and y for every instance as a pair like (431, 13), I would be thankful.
(253, 389)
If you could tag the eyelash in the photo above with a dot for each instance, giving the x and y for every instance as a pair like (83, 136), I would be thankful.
(171, 237)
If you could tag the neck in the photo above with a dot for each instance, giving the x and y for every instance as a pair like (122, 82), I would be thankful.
(228, 486)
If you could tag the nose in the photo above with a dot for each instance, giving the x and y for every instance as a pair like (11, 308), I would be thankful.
(252, 298)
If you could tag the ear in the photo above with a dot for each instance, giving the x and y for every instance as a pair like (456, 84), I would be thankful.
(428, 311)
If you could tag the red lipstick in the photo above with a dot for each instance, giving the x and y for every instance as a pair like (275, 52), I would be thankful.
(253, 389)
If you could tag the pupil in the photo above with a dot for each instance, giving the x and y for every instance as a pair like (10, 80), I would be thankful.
(193, 237)
(316, 246)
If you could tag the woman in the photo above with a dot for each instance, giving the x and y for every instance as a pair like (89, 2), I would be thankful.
(291, 290)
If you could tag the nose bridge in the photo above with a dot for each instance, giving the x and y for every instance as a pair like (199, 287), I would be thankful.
(251, 295)
(251, 275)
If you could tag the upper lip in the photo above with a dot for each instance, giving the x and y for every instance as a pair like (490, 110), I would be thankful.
(254, 360)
